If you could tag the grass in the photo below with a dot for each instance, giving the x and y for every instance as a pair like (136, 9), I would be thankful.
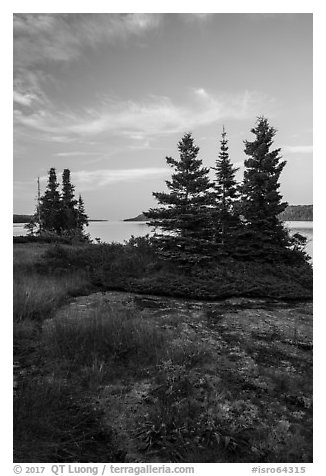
(105, 336)
(38, 297)
(50, 422)
(53, 424)
(190, 384)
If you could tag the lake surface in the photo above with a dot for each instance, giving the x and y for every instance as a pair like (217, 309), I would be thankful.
(120, 231)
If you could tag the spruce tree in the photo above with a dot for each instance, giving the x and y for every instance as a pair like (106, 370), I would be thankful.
(184, 218)
(50, 205)
(82, 218)
(226, 220)
(68, 204)
(261, 200)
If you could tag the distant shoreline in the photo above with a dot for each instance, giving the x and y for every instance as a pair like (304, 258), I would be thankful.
(17, 218)
(291, 213)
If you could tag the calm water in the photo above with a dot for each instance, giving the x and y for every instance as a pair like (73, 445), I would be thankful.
(120, 231)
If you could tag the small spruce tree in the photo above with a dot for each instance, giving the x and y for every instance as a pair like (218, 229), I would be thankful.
(49, 211)
(68, 204)
(226, 220)
(184, 218)
(82, 218)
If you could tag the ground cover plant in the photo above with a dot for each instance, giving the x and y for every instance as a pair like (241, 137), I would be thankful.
(136, 266)
(139, 378)
(105, 371)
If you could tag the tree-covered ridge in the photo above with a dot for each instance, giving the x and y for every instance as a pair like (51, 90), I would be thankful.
(17, 218)
(20, 218)
(297, 213)
(140, 217)
(291, 213)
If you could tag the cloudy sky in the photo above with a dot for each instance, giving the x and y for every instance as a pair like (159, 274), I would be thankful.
(109, 96)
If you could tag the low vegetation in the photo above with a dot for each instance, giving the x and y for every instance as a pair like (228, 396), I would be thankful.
(202, 387)
(135, 266)
(297, 213)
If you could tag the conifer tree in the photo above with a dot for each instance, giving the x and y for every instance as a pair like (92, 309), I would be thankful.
(50, 205)
(226, 192)
(183, 217)
(261, 200)
(61, 214)
(82, 218)
(68, 204)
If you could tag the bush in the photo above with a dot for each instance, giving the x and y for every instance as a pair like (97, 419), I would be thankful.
(49, 238)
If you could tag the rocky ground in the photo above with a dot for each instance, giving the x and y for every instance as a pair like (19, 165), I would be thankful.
(246, 363)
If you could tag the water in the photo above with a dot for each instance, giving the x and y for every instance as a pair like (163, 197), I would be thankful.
(305, 228)
(120, 231)
(117, 230)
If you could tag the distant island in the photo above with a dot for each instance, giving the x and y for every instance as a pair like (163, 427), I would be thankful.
(140, 217)
(22, 218)
(291, 213)
(297, 213)
(27, 218)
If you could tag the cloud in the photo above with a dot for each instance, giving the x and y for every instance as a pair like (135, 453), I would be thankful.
(23, 99)
(140, 144)
(298, 149)
(199, 17)
(201, 93)
(40, 38)
(151, 117)
(77, 154)
(87, 180)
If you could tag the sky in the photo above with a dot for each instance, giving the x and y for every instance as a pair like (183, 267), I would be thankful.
(110, 95)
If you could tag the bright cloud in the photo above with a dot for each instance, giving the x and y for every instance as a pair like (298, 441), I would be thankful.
(87, 180)
(143, 119)
(23, 99)
(201, 93)
(77, 153)
(298, 149)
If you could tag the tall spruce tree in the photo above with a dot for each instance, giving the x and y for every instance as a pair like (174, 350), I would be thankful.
(226, 220)
(261, 201)
(50, 205)
(69, 209)
(184, 218)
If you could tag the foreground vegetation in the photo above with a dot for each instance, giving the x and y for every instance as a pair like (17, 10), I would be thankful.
(136, 267)
(201, 385)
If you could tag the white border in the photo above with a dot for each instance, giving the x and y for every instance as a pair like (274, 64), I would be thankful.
(277, 6)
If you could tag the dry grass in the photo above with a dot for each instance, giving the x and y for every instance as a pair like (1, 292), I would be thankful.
(37, 296)
(107, 334)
